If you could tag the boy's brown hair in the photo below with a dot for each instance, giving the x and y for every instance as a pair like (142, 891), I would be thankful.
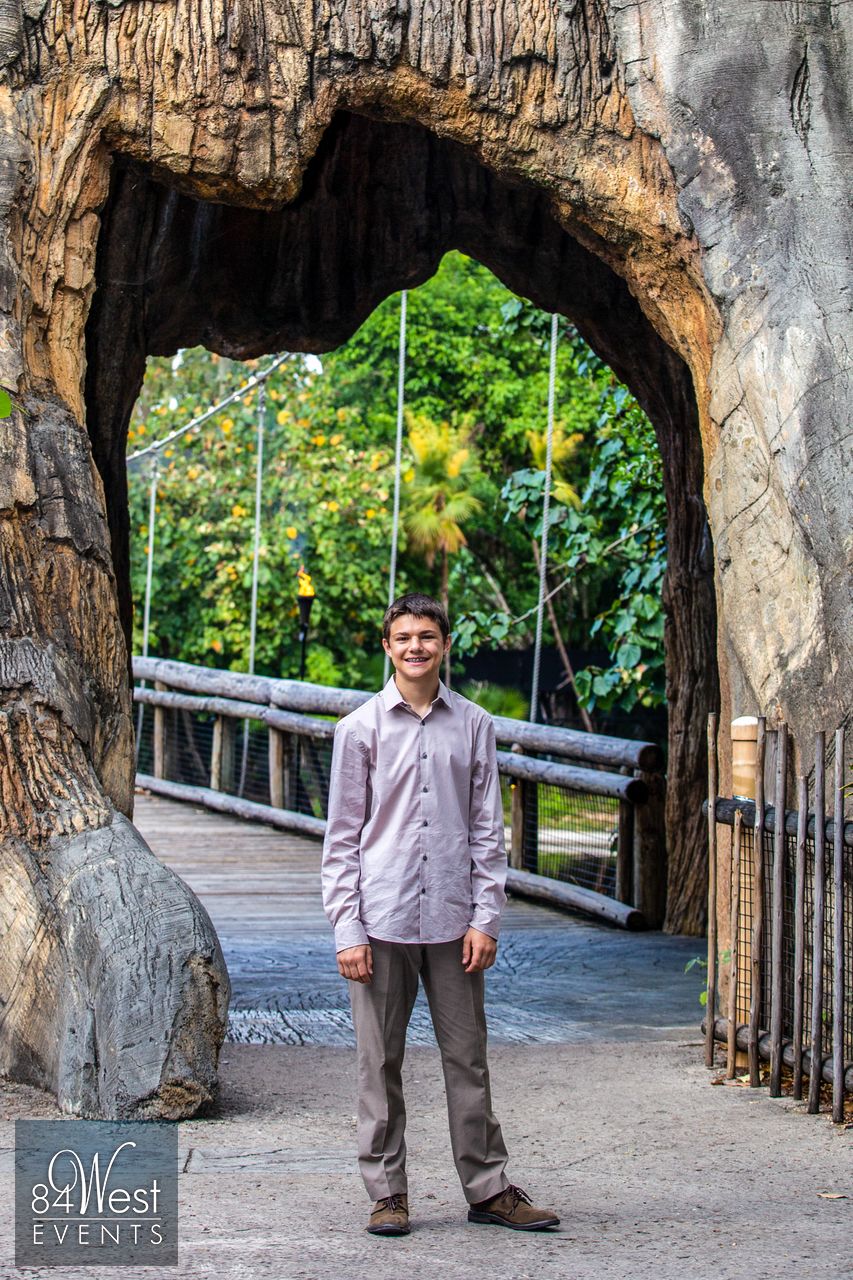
(419, 606)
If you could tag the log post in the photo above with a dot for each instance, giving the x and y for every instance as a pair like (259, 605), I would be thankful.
(800, 931)
(777, 975)
(222, 754)
(731, 1042)
(279, 768)
(649, 851)
(711, 1005)
(625, 851)
(838, 878)
(516, 844)
(161, 738)
(757, 940)
(818, 918)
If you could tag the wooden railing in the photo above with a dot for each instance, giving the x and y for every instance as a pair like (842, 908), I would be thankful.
(621, 773)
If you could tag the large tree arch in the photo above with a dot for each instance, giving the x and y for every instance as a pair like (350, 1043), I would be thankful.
(565, 145)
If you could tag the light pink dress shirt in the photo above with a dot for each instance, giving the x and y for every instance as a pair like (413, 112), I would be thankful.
(414, 848)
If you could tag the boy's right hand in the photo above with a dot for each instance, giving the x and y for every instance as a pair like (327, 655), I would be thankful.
(356, 963)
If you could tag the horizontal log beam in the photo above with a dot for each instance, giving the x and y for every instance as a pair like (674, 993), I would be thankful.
(591, 748)
(726, 807)
(300, 695)
(288, 721)
(526, 884)
(742, 1038)
(286, 819)
(573, 777)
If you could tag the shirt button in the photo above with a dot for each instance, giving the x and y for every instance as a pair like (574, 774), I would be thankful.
(425, 857)
(426, 788)
(423, 890)
(424, 756)
(426, 824)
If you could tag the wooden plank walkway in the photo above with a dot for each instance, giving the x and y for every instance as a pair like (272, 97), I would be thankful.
(558, 978)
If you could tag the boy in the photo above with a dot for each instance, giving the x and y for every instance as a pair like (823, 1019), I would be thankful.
(413, 877)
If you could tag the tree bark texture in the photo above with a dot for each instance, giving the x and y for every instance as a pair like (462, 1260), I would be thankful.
(256, 175)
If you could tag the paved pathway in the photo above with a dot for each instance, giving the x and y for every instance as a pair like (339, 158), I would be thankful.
(597, 1079)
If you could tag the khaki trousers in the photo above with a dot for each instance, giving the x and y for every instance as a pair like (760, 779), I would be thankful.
(381, 1010)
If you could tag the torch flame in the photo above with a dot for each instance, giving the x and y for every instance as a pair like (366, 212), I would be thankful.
(305, 586)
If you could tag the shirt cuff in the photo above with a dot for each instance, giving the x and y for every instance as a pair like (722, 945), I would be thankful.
(486, 923)
(350, 934)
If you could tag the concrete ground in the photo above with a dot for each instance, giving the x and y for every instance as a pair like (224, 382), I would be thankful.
(597, 1078)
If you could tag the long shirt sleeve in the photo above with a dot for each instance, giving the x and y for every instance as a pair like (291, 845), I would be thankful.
(486, 835)
(341, 866)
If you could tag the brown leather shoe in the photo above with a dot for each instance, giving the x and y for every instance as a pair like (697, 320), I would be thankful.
(390, 1217)
(512, 1208)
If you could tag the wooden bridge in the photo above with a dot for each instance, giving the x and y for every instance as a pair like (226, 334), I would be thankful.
(558, 978)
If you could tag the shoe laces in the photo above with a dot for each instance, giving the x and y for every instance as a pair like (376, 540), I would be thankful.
(517, 1194)
(393, 1203)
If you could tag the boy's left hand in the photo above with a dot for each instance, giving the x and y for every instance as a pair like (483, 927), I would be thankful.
(478, 951)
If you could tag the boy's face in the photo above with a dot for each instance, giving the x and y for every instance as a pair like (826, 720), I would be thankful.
(416, 647)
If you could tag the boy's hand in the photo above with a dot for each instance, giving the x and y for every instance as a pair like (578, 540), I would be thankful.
(356, 963)
(478, 951)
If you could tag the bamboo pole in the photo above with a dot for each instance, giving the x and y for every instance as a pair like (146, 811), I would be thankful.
(757, 908)
(711, 1006)
(800, 931)
(838, 935)
(731, 1041)
(818, 919)
(777, 976)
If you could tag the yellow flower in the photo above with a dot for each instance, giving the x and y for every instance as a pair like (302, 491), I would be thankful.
(272, 393)
(409, 475)
(370, 513)
(237, 510)
(341, 415)
(141, 429)
(143, 531)
(334, 506)
(318, 440)
(281, 417)
(336, 438)
(167, 453)
(291, 532)
(227, 426)
(216, 646)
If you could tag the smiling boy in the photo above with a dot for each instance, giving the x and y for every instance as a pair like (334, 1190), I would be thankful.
(414, 868)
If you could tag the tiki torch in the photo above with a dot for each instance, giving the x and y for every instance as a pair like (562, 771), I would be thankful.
(305, 597)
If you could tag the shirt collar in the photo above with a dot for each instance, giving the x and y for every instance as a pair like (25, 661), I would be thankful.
(392, 696)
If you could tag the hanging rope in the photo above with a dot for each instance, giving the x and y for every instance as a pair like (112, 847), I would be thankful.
(546, 503)
(149, 571)
(254, 381)
(256, 551)
(395, 524)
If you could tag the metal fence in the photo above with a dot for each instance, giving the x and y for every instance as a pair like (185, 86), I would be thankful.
(581, 811)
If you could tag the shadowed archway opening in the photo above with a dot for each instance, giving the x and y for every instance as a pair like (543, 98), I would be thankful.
(380, 205)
